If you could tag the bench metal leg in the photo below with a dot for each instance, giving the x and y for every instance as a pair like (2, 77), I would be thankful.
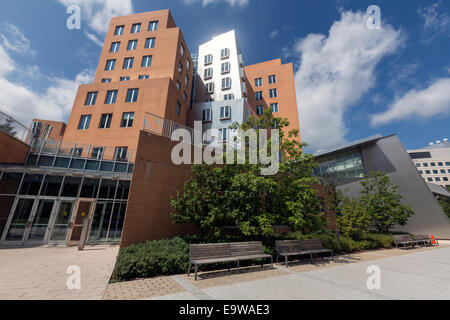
(312, 258)
(332, 255)
(271, 262)
(189, 270)
(278, 256)
(287, 262)
(239, 266)
(196, 271)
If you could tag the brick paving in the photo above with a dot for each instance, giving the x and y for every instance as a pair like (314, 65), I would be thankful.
(40, 273)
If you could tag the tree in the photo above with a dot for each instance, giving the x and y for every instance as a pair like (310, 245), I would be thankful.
(238, 195)
(353, 219)
(8, 127)
(383, 202)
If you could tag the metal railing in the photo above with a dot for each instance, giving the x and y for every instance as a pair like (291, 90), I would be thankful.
(14, 128)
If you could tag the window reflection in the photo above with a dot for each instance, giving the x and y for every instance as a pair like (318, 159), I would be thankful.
(347, 166)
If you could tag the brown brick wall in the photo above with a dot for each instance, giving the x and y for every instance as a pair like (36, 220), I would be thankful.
(155, 180)
(12, 150)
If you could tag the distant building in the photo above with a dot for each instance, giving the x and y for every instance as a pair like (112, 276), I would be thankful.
(433, 162)
(349, 163)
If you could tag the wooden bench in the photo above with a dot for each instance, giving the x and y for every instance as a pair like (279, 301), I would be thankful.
(424, 239)
(289, 248)
(404, 239)
(201, 254)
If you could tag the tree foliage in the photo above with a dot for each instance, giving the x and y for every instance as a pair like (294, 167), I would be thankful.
(8, 127)
(237, 195)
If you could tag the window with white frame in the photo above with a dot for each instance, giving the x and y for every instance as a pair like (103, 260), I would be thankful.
(259, 110)
(110, 65)
(182, 50)
(188, 64)
(223, 135)
(178, 86)
(127, 120)
(226, 83)
(210, 87)
(259, 95)
(136, 28)
(97, 153)
(186, 81)
(84, 122)
(153, 26)
(274, 107)
(226, 67)
(146, 61)
(119, 30)
(91, 98)
(272, 79)
(115, 46)
(225, 113)
(105, 121)
(208, 59)
(207, 115)
(258, 82)
(132, 95)
(124, 79)
(225, 53)
(106, 80)
(208, 73)
(229, 96)
(132, 45)
(150, 43)
(128, 63)
(121, 153)
(180, 67)
(144, 77)
(273, 93)
(111, 97)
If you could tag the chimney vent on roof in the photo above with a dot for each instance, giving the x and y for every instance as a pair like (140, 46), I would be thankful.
(445, 140)
(438, 142)
(431, 144)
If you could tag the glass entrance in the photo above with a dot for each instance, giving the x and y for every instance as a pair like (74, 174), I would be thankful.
(62, 221)
(40, 222)
(19, 222)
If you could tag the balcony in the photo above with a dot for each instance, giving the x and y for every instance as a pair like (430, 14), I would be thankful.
(13, 128)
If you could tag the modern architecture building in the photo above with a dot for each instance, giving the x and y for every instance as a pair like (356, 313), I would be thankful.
(349, 163)
(110, 166)
(433, 162)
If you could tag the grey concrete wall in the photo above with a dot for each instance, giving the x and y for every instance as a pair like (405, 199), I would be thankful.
(388, 155)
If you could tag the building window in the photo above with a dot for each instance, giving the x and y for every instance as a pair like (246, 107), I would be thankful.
(111, 97)
(273, 93)
(274, 107)
(225, 113)
(259, 95)
(91, 98)
(208, 73)
(132, 45)
(184, 96)
(447, 163)
(440, 164)
(144, 77)
(128, 63)
(115, 46)
(206, 115)
(124, 78)
(225, 53)
(443, 171)
(427, 171)
(153, 26)
(438, 179)
(259, 110)
(84, 122)
(105, 121)
(180, 67)
(272, 79)
(188, 64)
(110, 65)
(228, 97)
(178, 86)
(127, 120)
(418, 165)
(136, 28)
(433, 164)
(178, 108)
(226, 67)
(226, 83)
(182, 50)
(121, 153)
(77, 152)
(132, 95)
(146, 61)
(119, 30)
(420, 171)
(150, 43)
(208, 59)
(445, 179)
(435, 172)
(258, 82)
(186, 81)
(430, 179)
(210, 87)
(425, 164)
(223, 135)
(105, 80)
(97, 153)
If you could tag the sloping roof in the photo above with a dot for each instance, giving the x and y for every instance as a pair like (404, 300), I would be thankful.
(351, 145)
(438, 190)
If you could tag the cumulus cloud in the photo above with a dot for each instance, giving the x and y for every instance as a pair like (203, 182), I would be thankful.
(418, 104)
(24, 103)
(435, 22)
(335, 72)
(233, 3)
(97, 13)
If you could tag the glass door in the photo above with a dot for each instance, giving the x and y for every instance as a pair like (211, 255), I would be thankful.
(40, 222)
(19, 222)
(62, 221)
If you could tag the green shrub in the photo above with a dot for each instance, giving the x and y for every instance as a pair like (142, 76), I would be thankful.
(153, 258)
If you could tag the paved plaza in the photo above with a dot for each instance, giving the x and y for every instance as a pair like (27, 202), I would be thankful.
(41, 273)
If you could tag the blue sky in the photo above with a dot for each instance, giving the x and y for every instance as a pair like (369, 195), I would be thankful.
(351, 82)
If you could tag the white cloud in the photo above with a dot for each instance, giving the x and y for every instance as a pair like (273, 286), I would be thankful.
(273, 34)
(335, 72)
(418, 104)
(233, 3)
(98, 13)
(94, 38)
(24, 103)
(13, 39)
(435, 23)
